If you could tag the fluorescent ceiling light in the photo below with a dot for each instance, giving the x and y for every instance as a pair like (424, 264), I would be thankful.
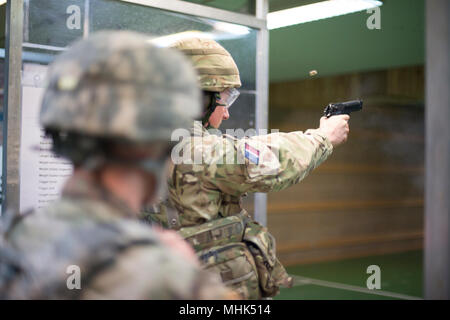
(317, 11)
(167, 41)
(234, 29)
(221, 31)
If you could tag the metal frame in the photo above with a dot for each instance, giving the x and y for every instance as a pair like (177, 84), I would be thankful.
(26, 20)
(193, 9)
(12, 128)
(262, 89)
(12, 106)
(86, 19)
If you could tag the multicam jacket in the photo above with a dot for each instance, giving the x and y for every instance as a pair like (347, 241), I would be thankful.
(118, 256)
(212, 185)
(212, 172)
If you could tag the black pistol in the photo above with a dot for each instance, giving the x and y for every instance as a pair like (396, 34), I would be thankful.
(347, 107)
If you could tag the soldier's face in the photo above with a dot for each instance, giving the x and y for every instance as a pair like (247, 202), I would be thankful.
(219, 114)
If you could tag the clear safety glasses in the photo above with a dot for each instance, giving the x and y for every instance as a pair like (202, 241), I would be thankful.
(228, 97)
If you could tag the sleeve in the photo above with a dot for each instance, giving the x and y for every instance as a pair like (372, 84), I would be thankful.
(155, 273)
(268, 162)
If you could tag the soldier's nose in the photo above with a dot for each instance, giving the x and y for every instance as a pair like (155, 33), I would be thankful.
(226, 115)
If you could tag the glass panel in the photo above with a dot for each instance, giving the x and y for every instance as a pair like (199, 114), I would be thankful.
(241, 6)
(51, 25)
(53, 22)
(56, 23)
(240, 41)
(242, 112)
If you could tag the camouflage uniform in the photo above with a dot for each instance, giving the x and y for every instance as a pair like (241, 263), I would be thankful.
(119, 258)
(112, 87)
(205, 199)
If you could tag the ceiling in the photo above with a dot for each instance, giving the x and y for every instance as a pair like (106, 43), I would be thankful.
(336, 45)
(344, 44)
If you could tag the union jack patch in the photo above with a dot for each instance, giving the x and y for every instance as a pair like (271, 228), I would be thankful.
(251, 154)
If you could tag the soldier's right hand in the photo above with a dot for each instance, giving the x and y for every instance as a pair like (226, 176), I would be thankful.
(335, 128)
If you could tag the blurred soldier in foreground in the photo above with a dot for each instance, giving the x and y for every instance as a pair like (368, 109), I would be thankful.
(205, 199)
(111, 104)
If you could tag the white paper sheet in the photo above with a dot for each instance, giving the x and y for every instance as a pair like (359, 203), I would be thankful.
(42, 174)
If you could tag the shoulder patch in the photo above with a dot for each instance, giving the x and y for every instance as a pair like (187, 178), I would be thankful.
(251, 154)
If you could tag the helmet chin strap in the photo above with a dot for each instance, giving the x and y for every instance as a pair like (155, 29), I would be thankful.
(214, 97)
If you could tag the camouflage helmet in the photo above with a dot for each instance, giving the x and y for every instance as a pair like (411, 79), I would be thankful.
(116, 85)
(215, 66)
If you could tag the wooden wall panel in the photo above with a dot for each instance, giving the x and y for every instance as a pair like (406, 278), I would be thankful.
(367, 198)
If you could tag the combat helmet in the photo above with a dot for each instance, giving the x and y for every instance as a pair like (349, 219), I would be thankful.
(215, 66)
(115, 85)
(217, 73)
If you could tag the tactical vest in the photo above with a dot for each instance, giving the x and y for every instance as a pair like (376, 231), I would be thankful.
(236, 247)
(41, 273)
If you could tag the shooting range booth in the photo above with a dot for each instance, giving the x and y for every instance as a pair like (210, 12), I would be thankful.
(38, 30)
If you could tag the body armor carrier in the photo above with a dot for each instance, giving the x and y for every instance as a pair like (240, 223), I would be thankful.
(236, 247)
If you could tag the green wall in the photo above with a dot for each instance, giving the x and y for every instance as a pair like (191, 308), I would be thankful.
(344, 44)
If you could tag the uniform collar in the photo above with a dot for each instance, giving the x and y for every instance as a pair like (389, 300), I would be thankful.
(198, 130)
